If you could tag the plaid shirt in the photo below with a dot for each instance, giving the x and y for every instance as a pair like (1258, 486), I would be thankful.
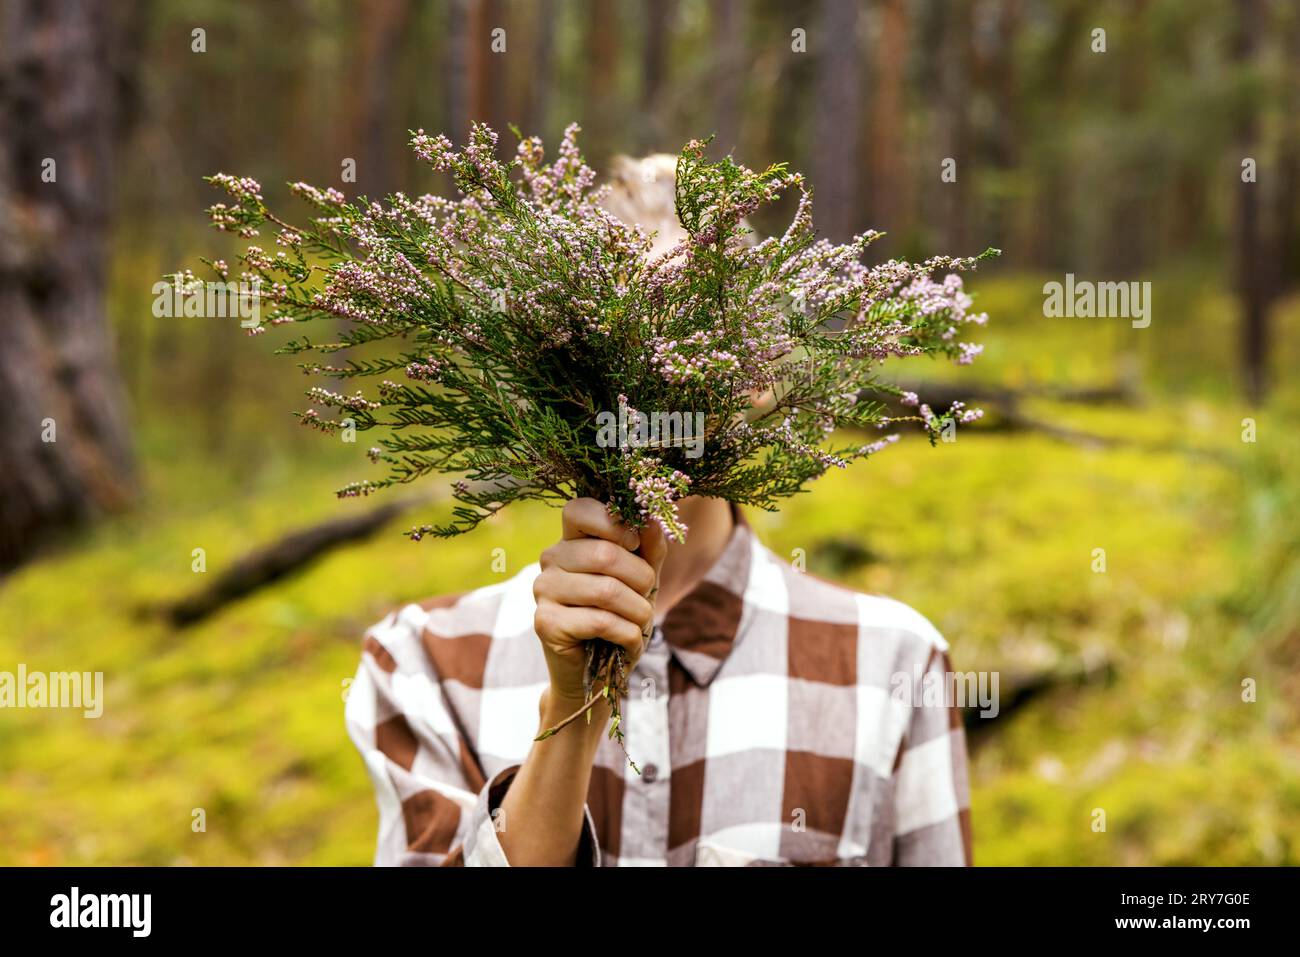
(761, 715)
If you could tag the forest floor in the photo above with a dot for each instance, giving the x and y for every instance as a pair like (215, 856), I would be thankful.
(993, 537)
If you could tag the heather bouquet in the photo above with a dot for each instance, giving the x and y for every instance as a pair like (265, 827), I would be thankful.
(524, 340)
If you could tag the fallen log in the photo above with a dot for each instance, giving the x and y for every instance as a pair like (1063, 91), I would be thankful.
(274, 561)
(1003, 405)
(943, 394)
(1019, 691)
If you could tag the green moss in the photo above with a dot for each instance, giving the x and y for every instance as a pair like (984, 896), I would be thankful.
(991, 537)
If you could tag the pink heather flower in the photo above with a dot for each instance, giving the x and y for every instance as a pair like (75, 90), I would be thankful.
(519, 304)
(879, 445)
(656, 490)
(426, 371)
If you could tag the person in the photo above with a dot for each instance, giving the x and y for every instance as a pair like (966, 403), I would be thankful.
(763, 713)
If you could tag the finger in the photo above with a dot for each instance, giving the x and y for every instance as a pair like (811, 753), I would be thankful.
(654, 546)
(595, 557)
(588, 518)
(593, 591)
(572, 626)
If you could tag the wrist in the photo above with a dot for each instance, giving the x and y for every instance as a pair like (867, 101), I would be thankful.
(556, 706)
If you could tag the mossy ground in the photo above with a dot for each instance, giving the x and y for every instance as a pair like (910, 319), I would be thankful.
(992, 537)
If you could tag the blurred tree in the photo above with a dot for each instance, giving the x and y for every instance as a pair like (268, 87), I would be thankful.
(887, 183)
(601, 107)
(1055, 79)
(64, 434)
(375, 137)
(1253, 273)
(453, 77)
(1009, 220)
(1130, 199)
(837, 117)
(785, 120)
(956, 91)
(539, 77)
(728, 27)
(659, 22)
(1288, 205)
(487, 70)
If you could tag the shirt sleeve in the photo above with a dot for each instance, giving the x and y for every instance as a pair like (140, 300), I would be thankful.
(483, 843)
(931, 786)
(435, 807)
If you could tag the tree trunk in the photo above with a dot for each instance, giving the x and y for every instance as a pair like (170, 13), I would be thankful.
(887, 200)
(1133, 207)
(1253, 262)
(453, 75)
(487, 72)
(659, 23)
(1288, 162)
(601, 96)
(836, 118)
(729, 72)
(59, 101)
(538, 79)
(381, 25)
(1012, 218)
(1054, 245)
(956, 82)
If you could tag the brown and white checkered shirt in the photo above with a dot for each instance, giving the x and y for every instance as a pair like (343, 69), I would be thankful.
(762, 715)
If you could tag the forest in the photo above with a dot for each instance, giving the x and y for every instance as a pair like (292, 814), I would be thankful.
(1117, 538)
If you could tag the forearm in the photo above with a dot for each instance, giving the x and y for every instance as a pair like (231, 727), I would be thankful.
(543, 810)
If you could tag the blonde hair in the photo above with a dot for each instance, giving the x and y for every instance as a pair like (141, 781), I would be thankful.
(643, 192)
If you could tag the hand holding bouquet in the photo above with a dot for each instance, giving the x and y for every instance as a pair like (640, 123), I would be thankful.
(527, 341)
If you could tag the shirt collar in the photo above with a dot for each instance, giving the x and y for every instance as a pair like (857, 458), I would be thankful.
(704, 626)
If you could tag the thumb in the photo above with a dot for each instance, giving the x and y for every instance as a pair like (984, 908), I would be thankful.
(654, 546)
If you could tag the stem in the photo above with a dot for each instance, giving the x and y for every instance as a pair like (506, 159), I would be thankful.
(587, 705)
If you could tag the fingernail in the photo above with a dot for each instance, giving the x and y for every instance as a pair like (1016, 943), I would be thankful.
(631, 540)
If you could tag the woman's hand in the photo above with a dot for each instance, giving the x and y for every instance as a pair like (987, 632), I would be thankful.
(594, 584)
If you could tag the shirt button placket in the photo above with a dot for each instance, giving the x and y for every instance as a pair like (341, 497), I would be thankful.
(645, 801)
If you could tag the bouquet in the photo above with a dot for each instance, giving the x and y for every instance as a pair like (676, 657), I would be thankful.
(527, 342)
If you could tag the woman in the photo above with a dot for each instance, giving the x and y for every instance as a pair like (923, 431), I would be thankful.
(762, 713)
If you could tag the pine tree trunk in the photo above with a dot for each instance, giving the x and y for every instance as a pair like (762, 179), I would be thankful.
(540, 76)
(957, 84)
(381, 26)
(487, 83)
(1253, 266)
(659, 25)
(887, 200)
(728, 26)
(58, 378)
(600, 117)
(837, 120)
(452, 78)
